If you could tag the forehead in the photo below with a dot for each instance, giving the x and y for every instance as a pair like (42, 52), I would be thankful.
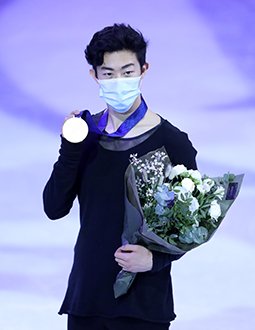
(117, 60)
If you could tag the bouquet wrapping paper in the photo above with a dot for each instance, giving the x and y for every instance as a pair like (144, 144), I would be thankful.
(183, 208)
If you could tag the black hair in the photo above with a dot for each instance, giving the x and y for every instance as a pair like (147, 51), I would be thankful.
(114, 38)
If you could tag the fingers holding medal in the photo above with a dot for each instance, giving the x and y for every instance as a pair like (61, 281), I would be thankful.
(75, 129)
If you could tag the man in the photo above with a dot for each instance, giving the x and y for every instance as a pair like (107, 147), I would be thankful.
(93, 170)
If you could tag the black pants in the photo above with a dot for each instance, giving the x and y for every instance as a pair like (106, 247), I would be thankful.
(121, 323)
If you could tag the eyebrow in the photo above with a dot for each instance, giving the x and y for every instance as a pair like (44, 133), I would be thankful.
(123, 67)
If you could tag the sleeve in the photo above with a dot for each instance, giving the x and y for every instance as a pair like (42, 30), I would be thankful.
(180, 151)
(162, 260)
(61, 188)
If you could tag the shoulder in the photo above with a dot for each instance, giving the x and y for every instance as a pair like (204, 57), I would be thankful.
(172, 133)
(178, 145)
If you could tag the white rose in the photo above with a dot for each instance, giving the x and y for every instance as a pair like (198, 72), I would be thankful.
(194, 205)
(214, 210)
(195, 174)
(188, 184)
(206, 186)
(176, 170)
(219, 192)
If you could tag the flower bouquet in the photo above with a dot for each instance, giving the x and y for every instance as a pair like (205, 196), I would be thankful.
(171, 209)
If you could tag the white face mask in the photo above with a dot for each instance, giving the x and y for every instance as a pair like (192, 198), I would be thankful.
(120, 93)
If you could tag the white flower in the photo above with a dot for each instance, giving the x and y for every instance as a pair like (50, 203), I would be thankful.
(188, 184)
(176, 170)
(219, 192)
(195, 174)
(181, 193)
(201, 188)
(206, 185)
(215, 210)
(194, 205)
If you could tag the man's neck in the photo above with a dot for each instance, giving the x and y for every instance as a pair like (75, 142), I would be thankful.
(115, 119)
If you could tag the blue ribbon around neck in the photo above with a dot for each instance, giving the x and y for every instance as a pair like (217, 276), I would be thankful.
(123, 129)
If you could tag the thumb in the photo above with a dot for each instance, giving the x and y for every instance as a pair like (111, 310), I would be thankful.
(128, 248)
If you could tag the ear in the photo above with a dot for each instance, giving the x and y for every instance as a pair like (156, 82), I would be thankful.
(92, 72)
(145, 67)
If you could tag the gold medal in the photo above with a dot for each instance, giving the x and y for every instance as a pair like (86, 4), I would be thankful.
(75, 129)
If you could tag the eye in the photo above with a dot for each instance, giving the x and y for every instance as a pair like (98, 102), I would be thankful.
(107, 74)
(128, 73)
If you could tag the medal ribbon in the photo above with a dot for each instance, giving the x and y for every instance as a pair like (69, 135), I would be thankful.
(123, 129)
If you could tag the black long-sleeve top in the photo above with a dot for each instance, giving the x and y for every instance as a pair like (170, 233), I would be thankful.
(95, 174)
